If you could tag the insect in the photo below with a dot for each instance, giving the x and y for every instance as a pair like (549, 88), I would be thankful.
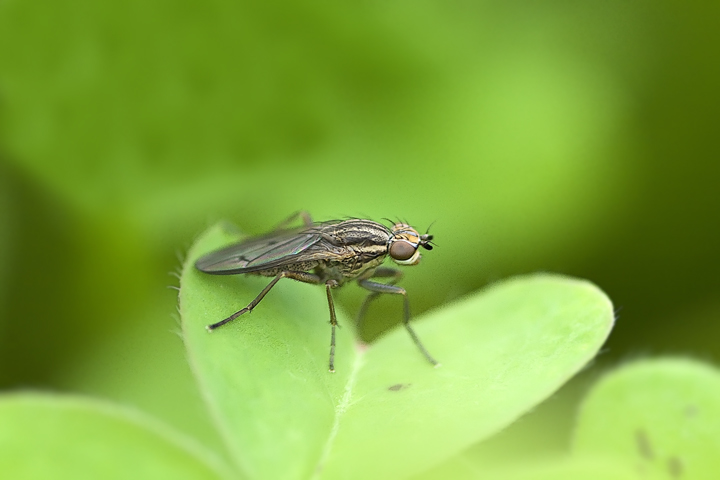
(329, 253)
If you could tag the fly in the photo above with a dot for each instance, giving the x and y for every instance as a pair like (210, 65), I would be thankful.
(330, 253)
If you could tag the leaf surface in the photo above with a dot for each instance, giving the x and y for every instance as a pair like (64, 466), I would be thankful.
(660, 416)
(51, 436)
(386, 412)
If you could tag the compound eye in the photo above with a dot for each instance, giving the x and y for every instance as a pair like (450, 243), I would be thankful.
(401, 250)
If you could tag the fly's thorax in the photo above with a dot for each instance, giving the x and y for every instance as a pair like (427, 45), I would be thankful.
(348, 268)
(358, 234)
(404, 243)
(363, 262)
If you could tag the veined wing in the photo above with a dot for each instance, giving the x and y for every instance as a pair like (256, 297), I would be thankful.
(259, 253)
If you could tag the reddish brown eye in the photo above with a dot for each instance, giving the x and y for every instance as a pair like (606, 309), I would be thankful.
(401, 250)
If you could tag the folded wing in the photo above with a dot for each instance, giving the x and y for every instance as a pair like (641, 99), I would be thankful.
(260, 253)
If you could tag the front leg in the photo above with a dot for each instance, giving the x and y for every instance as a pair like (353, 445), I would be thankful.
(378, 288)
(380, 272)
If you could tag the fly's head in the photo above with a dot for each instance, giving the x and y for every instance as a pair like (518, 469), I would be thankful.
(405, 242)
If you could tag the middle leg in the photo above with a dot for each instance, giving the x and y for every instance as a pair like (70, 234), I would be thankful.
(329, 285)
(378, 288)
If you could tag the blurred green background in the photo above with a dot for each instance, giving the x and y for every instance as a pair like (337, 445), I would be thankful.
(572, 137)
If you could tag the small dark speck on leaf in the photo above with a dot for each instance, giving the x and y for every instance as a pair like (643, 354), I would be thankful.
(398, 386)
(675, 467)
(643, 444)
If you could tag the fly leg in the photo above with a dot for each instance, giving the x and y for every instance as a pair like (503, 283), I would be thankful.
(380, 272)
(378, 288)
(329, 285)
(299, 276)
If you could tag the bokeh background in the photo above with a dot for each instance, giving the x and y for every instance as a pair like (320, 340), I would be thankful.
(572, 137)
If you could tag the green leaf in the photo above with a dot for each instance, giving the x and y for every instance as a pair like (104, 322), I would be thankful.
(265, 376)
(565, 469)
(662, 416)
(562, 468)
(46, 436)
(386, 413)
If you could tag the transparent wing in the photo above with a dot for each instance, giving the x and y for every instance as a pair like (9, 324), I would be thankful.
(260, 253)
